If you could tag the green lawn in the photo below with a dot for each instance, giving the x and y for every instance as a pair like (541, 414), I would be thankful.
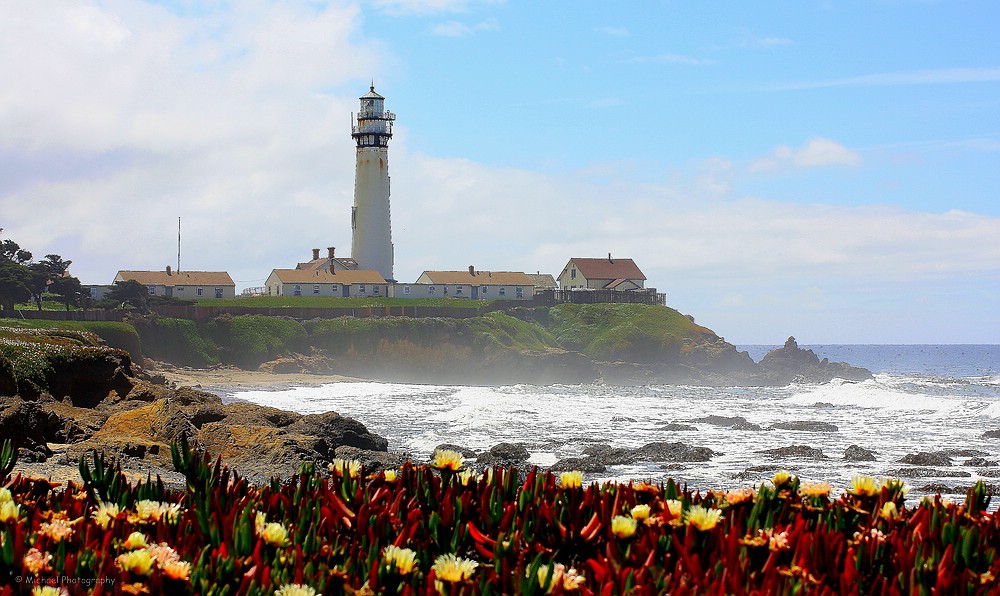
(335, 302)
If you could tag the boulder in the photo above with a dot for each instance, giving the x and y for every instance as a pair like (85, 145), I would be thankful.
(791, 364)
(677, 427)
(924, 458)
(856, 453)
(335, 430)
(583, 464)
(980, 461)
(927, 473)
(610, 456)
(813, 426)
(663, 451)
(504, 454)
(722, 420)
(992, 434)
(795, 451)
(464, 451)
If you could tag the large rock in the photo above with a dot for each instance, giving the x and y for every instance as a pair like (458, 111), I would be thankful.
(504, 454)
(856, 453)
(335, 430)
(813, 426)
(795, 451)
(924, 458)
(791, 364)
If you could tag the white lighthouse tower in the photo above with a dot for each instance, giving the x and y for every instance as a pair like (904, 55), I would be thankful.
(371, 244)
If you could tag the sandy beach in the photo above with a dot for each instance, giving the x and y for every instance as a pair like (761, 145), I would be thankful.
(229, 378)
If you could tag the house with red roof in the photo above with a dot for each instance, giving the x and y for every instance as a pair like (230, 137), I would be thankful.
(601, 274)
(183, 284)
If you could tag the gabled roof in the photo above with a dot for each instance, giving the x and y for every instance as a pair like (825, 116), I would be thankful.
(324, 276)
(324, 262)
(479, 278)
(177, 278)
(607, 268)
(542, 280)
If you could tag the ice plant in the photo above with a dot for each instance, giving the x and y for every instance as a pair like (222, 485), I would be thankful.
(735, 497)
(453, 569)
(814, 489)
(274, 534)
(445, 459)
(294, 590)
(889, 511)
(403, 560)
(104, 513)
(57, 530)
(465, 476)
(138, 562)
(640, 512)
(567, 579)
(863, 486)
(701, 518)
(35, 561)
(390, 475)
(782, 477)
(48, 591)
(9, 511)
(571, 479)
(346, 467)
(175, 569)
(135, 541)
(623, 527)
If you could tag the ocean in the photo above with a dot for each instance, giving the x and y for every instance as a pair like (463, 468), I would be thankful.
(924, 398)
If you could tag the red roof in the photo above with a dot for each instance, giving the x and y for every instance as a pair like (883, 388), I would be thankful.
(607, 268)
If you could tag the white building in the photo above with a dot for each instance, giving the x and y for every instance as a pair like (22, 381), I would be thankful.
(601, 274)
(477, 285)
(187, 284)
(371, 243)
(324, 282)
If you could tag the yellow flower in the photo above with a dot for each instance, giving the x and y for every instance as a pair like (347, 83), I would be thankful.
(170, 512)
(640, 512)
(777, 541)
(568, 578)
(35, 561)
(105, 513)
(5, 496)
(445, 459)
(701, 518)
(571, 479)
(294, 590)
(58, 530)
(274, 534)
(163, 553)
(782, 477)
(815, 489)
(346, 467)
(894, 484)
(146, 510)
(403, 559)
(623, 527)
(138, 562)
(465, 476)
(889, 511)
(260, 520)
(391, 475)
(176, 569)
(135, 540)
(676, 509)
(48, 591)
(9, 510)
(453, 569)
(863, 486)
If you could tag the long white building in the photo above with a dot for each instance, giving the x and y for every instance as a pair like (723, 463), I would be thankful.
(371, 243)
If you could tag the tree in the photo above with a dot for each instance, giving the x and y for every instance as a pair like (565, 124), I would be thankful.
(129, 292)
(44, 273)
(16, 278)
(69, 290)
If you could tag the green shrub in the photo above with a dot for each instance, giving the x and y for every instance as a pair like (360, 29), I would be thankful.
(179, 341)
(117, 335)
(251, 340)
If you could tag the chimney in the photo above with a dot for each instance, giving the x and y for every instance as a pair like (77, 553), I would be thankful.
(315, 254)
(472, 270)
(330, 250)
(609, 258)
(168, 270)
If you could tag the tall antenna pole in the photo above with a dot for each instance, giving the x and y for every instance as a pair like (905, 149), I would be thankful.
(178, 245)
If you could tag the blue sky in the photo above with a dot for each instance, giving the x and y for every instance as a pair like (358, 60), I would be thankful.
(823, 169)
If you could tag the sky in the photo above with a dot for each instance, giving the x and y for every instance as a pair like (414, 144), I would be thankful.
(827, 169)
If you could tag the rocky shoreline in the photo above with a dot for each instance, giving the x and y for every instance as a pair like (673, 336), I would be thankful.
(132, 415)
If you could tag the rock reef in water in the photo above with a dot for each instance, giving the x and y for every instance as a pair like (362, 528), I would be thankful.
(792, 364)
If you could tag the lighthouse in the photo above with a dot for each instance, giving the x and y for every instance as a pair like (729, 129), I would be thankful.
(371, 243)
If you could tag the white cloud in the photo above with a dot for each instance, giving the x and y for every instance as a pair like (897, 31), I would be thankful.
(942, 76)
(460, 29)
(410, 7)
(817, 152)
(614, 31)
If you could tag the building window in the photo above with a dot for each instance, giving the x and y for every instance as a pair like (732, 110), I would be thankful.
(218, 292)
(483, 290)
(375, 290)
(296, 290)
(519, 292)
(503, 291)
(430, 290)
(334, 288)
(152, 290)
(180, 289)
(445, 290)
(572, 273)
(406, 289)
(361, 289)
(315, 289)
(458, 291)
